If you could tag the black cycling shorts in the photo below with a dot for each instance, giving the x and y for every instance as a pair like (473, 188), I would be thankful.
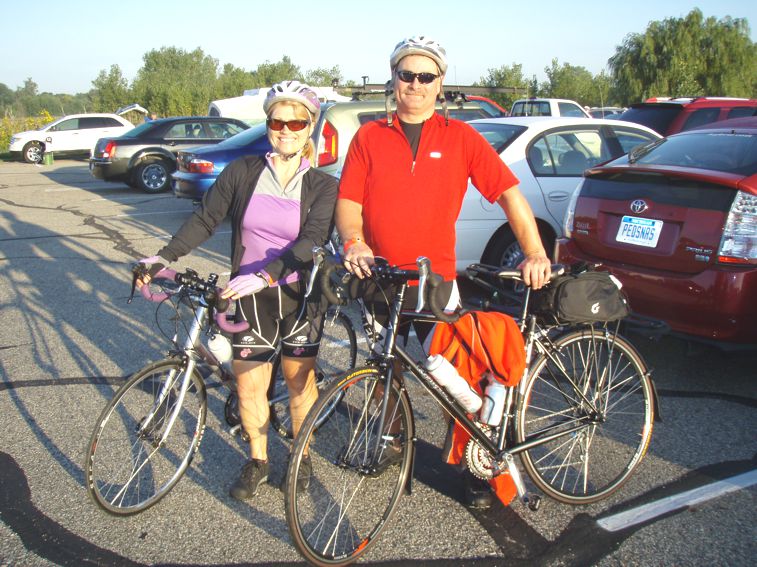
(278, 314)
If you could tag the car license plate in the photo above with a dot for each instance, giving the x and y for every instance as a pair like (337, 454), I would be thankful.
(638, 231)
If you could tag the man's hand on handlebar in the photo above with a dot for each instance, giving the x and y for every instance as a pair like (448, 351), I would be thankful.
(146, 269)
(536, 269)
(358, 259)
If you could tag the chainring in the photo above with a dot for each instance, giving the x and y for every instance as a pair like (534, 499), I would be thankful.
(478, 459)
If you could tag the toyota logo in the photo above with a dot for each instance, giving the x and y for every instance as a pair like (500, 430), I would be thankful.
(639, 206)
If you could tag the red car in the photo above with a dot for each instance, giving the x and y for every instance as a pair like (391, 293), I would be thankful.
(676, 221)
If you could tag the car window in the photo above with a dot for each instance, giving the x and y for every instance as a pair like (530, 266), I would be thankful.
(570, 109)
(90, 122)
(701, 116)
(70, 124)
(742, 111)
(539, 159)
(255, 135)
(716, 151)
(531, 108)
(224, 129)
(108, 122)
(186, 130)
(657, 117)
(138, 131)
(629, 140)
(499, 136)
(571, 152)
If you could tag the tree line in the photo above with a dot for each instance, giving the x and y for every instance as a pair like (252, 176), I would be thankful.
(688, 56)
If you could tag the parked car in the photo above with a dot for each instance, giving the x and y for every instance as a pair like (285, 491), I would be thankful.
(548, 107)
(198, 169)
(672, 115)
(145, 157)
(676, 222)
(71, 135)
(549, 156)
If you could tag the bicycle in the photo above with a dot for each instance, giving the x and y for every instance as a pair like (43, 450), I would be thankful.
(147, 435)
(580, 420)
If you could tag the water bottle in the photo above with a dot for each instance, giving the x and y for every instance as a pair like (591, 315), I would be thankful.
(220, 347)
(494, 401)
(457, 386)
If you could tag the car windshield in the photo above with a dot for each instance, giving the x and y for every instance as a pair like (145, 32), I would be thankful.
(498, 135)
(719, 151)
(658, 118)
(245, 137)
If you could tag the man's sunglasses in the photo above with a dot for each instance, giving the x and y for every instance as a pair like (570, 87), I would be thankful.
(294, 125)
(423, 78)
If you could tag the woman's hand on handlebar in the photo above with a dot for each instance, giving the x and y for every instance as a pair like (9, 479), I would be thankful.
(153, 265)
(241, 286)
(536, 269)
(358, 259)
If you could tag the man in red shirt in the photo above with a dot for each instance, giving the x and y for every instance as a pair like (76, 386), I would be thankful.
(405, 177)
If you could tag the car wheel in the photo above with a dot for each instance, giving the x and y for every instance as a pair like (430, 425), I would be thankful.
(505, 251)
(153, 176)
(33, 152)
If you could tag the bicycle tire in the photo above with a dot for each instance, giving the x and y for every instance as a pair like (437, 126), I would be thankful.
(348, 499)
(127, 469)
(596, 459)
(337, 355)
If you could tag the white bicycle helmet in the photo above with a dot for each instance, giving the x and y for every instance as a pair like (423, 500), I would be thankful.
(294, 91)
(419, 45)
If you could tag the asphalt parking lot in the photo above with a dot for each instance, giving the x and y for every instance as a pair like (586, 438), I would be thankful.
(68, 339)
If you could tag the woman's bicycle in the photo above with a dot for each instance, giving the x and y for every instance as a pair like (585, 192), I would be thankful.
(580, 420)
(148, 434)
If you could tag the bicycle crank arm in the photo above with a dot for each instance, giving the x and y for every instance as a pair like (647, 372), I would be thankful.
(531, 500)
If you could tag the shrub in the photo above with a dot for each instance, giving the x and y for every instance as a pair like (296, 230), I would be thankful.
(10, 126)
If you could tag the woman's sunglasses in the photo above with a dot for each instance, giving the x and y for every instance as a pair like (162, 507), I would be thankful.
(423, 78)
(294, 125)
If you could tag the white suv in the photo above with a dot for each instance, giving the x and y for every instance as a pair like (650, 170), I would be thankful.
(548, 107)
(72, 134)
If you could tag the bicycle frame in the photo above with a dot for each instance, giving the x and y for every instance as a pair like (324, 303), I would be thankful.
(535, 338)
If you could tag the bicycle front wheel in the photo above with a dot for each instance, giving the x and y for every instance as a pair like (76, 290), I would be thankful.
(337, 355)
(132, 461)
(593, 394)
(338, 505)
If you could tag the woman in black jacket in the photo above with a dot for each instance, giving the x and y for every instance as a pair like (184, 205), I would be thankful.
(280, 208)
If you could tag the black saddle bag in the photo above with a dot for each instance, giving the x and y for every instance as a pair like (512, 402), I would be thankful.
(585, 297)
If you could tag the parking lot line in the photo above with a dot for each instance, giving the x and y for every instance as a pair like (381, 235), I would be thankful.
(669, 504)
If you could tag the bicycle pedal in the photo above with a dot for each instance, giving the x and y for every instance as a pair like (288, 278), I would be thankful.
(533, 501)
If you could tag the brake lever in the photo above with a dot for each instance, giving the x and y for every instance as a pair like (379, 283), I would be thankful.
(137, 271)
(423, 264)
(318, 256)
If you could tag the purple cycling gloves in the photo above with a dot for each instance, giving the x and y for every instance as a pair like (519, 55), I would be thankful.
(154, 264)
(241, 286)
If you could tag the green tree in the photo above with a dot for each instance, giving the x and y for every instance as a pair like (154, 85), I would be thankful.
(685, 57)
(269, 73)
(510, 76)
(110, 91)
(323, 77)
(568, 81)
(232, 82)
(174, 82)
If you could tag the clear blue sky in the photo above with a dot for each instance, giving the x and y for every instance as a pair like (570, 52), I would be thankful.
(63, 45)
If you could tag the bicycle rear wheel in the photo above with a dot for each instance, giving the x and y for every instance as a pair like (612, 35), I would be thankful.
(336, 512)
(127, 467)
(337, 355)
(594, 387)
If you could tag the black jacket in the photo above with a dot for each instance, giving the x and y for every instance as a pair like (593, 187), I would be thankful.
(231, 194)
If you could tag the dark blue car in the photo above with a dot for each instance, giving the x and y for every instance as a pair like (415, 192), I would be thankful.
(199, 167)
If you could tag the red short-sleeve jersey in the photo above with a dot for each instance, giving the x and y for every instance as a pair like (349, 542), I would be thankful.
(410, 207)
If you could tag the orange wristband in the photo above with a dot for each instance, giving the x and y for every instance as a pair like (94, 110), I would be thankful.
(351, 242)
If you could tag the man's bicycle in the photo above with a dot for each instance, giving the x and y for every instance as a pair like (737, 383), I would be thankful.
(149, 432)
(580, 420)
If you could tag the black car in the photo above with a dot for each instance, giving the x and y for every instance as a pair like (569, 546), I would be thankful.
(145, 157)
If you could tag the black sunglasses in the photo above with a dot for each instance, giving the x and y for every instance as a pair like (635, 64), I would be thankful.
(423, 78)
(294, 125)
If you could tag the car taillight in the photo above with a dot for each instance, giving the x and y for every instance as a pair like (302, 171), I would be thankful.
(110, 150)
(197, 165)
(739, 242)
(328, 151)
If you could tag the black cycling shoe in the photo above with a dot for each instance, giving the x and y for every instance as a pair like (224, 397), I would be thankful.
(303, 479)
(478, 492)
(254, 473)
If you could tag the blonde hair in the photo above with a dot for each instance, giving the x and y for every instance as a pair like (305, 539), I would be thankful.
(301, 112)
